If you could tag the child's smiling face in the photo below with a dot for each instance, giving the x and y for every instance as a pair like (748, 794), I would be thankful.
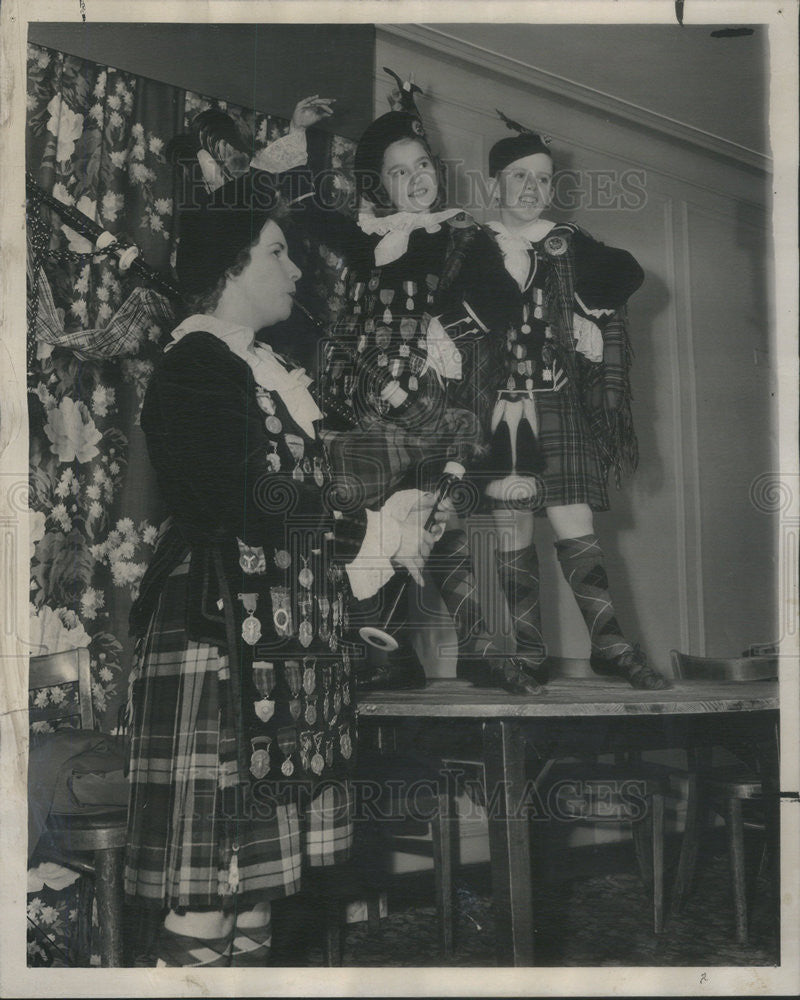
(525, 189)
(409, 176)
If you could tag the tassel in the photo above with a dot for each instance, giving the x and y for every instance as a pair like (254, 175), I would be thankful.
(501, 448)
(530, 457)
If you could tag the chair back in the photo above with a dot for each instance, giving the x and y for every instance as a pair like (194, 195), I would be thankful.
(60, 691)
(736, 669)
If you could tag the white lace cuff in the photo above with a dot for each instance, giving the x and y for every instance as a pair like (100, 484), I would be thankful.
(588, 338)
(283, 154)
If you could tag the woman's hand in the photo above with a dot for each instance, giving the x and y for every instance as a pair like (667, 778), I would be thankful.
(309, 111)
(415, 542)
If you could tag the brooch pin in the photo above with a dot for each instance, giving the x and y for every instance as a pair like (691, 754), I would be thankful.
(251, 558)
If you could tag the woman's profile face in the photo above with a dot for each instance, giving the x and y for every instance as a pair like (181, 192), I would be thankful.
(409, 176)
(269, 279)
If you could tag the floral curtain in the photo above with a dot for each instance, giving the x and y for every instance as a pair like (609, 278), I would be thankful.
(96, 140)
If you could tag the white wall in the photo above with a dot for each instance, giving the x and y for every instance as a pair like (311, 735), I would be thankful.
(690, 558)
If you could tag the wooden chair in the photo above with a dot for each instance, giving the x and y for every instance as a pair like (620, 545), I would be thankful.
(727, 788)
(428, 806)
(93, 844)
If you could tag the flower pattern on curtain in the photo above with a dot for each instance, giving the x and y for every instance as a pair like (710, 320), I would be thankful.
(96, 140)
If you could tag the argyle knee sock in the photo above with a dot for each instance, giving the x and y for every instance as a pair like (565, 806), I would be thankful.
(187, 952)
(252, 945)
(583, 566)
(518, 573)
(451, 567)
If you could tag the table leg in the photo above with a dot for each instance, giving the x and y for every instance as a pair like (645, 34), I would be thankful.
(504, 759)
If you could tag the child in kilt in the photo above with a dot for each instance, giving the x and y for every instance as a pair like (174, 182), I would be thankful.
(242, 735)
(408, 377)
(562, 417)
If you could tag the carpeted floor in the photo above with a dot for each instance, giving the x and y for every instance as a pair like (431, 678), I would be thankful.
(590, 920)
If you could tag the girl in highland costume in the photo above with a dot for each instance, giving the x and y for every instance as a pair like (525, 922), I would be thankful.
(409, 374)
(562, 417)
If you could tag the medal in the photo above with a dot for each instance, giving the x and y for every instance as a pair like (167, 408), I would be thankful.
(362, 343)
(397, 367)
(345, 743)
(259, 759)
(309, 676)
(324, 610)
(374, 280)
(305, 577)
(311, 713)
(264, 709)
(346, 693)
(410, 289)
(383, 337)
(287, 744)
(307, 466)
(281, 610)
(264, 677)
(319, 475)
(282, 559)
(297, 473)
(251, 558)
(251, 626)
(525, 328)
(305, 634)
(292, 675)
(432, 282)
(317, 761)
(273, 458)
(337, 701)
(520, 351)
(369, 325)
(383, 360)
(538, 312)
(408, 327)
(327, 677)
(413, 383)
(273, 425)
(305, 750)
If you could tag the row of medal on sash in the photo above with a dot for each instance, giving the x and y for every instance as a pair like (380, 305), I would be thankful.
(332, 615)
(540, 373)
(315, 750)
(303, 466)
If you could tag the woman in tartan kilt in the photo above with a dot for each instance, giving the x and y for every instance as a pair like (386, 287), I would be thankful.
(408, 379)
(241, 721)
(562, 417)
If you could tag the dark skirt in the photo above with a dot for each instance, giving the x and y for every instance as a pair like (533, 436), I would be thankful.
(183, 851)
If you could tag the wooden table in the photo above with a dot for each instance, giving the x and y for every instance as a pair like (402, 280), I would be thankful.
(507, 721)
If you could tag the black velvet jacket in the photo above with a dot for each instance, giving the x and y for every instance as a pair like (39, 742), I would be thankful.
(252, 503)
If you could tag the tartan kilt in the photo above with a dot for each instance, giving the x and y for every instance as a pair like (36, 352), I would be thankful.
(183, 850)
(573, 472)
